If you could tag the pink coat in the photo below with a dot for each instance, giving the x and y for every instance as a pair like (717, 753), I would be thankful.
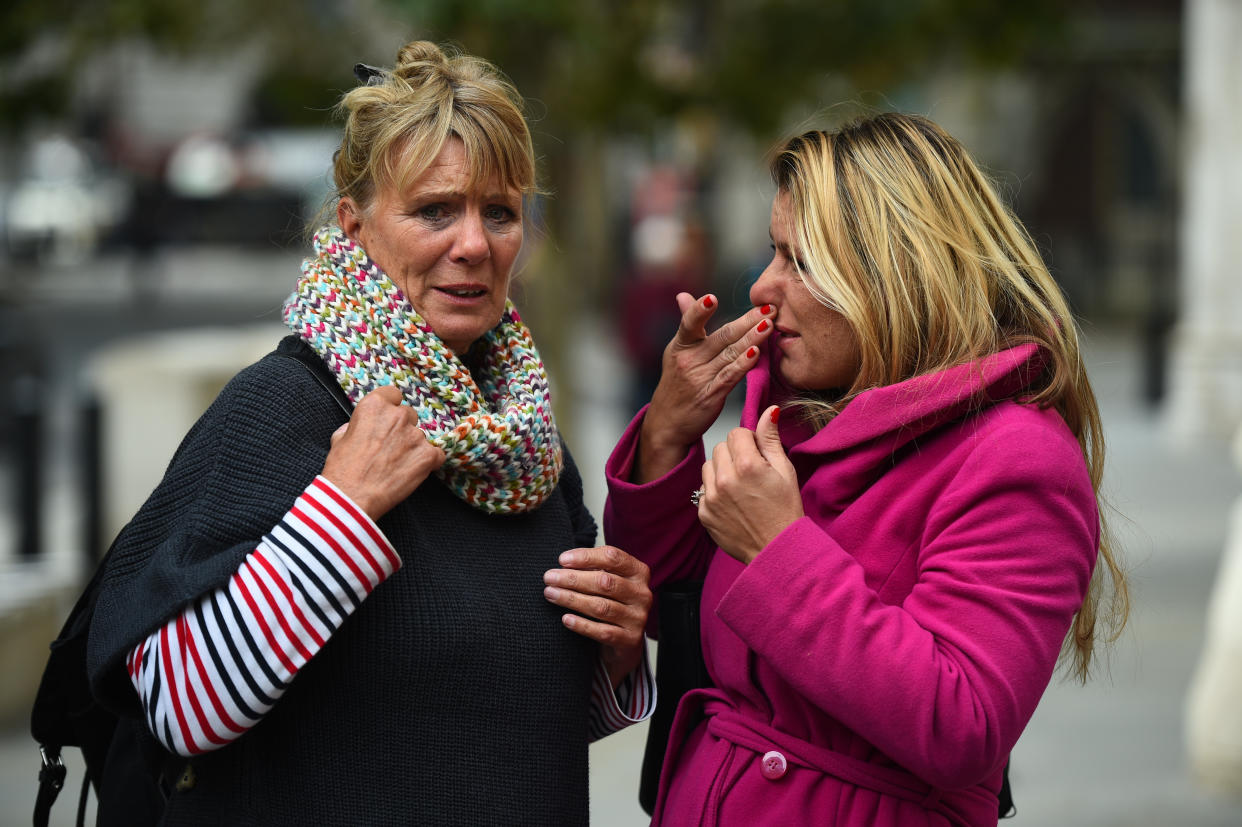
(886, 650)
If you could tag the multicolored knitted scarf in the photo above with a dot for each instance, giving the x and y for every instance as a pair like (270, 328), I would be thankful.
(504, 453)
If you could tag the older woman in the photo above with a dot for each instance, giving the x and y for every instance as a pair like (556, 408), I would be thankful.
(903, 534)
(399, 618)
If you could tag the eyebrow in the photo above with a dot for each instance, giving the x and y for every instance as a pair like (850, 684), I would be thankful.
(784, 247)
(455, 194)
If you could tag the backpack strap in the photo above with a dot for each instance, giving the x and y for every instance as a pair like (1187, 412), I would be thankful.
(64, 713)
(51, 779)
(319, 371)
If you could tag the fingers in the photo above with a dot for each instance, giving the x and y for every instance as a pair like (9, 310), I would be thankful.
(698, 372)
(746, 452)
(593, 590)
(684, 300)
(604, 584)
(709, 474)
(703, 368)
(385, 395)
(694, 316)
(767, 429)
(613, 637)
(603, 558)
(734, 349)
(382, 455)
(768, 436)
(750, 490)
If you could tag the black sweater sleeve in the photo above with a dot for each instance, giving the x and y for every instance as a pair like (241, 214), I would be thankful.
(236, 473)
(585, 529)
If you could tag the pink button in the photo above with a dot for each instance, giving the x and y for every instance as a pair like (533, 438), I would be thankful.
(773, 765)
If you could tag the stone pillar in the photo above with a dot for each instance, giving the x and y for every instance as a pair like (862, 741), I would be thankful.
(151, 389)
(1206, 361)
(1214, 700)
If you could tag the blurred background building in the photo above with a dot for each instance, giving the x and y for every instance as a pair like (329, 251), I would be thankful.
(160, 160)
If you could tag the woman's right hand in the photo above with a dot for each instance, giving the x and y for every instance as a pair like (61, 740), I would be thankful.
(381, 455)
(699, 371)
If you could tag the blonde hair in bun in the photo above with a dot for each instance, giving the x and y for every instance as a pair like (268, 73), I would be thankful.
(396, 125)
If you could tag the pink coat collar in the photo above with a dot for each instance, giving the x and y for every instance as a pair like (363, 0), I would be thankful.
(913, 407)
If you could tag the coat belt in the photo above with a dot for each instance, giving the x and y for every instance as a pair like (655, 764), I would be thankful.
(725, 722)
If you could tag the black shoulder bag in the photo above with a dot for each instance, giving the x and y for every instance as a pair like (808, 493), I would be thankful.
(679, 669)
(66, 713)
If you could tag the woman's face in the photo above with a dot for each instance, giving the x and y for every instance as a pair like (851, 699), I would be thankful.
(816, 347)
(450, 250)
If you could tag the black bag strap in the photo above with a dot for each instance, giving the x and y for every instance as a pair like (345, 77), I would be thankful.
(51, 779)
(679, 669)
(63, 704)
(1005, 797)
(317, 369)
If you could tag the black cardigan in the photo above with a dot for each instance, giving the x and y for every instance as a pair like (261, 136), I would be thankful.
(453, 696)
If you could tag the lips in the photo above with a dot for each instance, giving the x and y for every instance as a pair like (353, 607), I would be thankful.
(463, 291)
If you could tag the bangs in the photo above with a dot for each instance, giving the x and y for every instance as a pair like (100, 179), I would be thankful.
(492, 157)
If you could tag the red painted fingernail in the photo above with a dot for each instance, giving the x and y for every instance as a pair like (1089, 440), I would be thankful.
(750, 353)
(766, 309)
(763, 325)
(707, 301)
(776, 415)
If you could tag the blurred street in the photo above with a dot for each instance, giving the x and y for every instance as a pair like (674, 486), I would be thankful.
(1107, 754)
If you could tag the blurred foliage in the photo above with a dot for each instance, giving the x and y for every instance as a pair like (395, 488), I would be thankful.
(623, 66)
(589, 69)
(45, 44)
(620, 65)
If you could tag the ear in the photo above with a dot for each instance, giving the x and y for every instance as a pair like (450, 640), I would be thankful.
(347, 218)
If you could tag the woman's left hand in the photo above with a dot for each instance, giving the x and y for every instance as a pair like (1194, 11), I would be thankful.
(750, 489)
(609, 590)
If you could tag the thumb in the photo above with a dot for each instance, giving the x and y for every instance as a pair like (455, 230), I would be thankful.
(684, 302)
(768, 436)
(339, 433)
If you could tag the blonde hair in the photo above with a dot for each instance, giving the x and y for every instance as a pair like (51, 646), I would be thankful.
(397, 124)
(901, 232)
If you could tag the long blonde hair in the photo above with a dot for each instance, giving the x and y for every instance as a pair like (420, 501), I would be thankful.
(396, 125)
(901, 232)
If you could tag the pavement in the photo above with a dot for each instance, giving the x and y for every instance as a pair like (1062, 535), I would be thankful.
(1110, 753)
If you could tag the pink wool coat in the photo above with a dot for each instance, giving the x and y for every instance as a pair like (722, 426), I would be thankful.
(876, 663)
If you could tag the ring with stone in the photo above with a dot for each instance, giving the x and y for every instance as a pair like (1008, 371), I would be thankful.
(696, 496)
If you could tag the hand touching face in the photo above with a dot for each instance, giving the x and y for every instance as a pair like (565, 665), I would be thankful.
(816, 347)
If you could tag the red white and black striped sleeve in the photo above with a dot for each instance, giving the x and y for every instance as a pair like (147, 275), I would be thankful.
(215, 670)
(632, 701)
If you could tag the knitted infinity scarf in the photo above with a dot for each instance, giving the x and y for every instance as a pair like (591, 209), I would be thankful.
(503, 452)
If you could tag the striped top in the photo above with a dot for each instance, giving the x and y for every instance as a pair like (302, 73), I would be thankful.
(214, 671)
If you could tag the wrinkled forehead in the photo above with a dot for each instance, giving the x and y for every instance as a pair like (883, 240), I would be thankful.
(781, 225)
(483, 165)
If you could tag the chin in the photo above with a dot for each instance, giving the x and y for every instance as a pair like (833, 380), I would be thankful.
(792, 377)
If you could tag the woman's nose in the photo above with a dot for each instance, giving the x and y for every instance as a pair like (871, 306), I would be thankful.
(472, 244)
(763, 291)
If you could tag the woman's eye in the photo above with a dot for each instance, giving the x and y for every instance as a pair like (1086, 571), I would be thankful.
(499, 214)
(433, 212)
